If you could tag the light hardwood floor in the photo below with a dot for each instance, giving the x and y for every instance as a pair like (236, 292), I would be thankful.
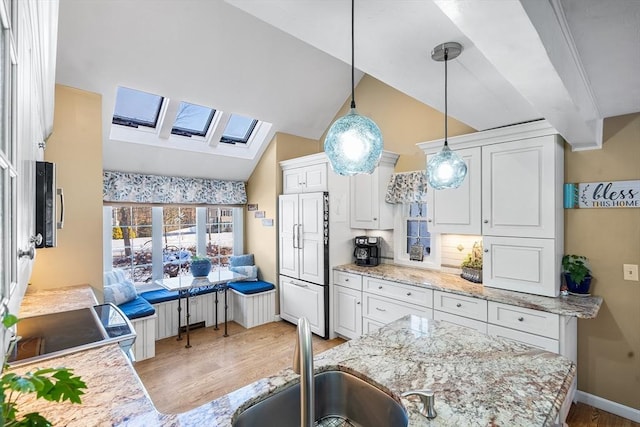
(179, 379)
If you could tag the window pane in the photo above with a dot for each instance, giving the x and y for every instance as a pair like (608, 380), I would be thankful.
(135, 108)
(219, 236)
(413, 228)
(179, 239)
(192, 120)
(4, 86)
(238, 129)
(131, 242)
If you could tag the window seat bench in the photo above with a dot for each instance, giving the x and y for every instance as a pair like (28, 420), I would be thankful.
(254, 302)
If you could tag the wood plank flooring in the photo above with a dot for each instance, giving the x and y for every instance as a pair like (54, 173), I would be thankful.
(179, 379)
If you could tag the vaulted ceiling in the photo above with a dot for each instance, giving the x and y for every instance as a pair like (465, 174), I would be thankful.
(287, 62)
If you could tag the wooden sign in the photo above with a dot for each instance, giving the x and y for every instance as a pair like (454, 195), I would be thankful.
(605, 194)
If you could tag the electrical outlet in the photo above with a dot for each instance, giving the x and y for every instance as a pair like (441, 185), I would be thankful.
(630, 272)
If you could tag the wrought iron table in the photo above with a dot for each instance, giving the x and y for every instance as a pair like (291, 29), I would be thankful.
(188, 286)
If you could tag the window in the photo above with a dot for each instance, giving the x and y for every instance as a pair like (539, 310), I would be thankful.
(151, 243)
(238, 129)
(192, 120)
(136, 108)
(412, 236)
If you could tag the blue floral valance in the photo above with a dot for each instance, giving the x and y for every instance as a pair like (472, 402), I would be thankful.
(407, 187)
(138, 188)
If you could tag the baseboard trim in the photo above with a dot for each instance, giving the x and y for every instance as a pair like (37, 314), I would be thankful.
(609, 406)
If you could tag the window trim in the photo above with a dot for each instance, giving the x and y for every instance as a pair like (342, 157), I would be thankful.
(433, 261)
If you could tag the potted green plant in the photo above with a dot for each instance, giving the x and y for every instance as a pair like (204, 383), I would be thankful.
(51, 384)
(200, 266)
(577, 274)
(472, 264)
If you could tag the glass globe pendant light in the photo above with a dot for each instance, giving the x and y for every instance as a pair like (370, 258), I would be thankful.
(354, 142)
(446, 169)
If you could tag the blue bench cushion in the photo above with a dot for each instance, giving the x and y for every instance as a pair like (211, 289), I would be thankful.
(137, 308)
(159, 295)
(249, 288)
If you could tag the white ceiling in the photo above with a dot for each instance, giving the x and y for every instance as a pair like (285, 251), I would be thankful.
(287, 62)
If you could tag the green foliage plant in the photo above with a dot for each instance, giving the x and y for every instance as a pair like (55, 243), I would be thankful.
(473, 258)
(51, 384)
(576, 266)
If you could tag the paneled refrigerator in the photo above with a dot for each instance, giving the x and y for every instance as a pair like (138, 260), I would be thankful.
(304, 259)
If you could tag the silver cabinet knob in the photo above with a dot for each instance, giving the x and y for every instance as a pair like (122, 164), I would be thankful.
(486, 221)
(380, 287)
(358, 303)
(29, 253)
(408, 294)
(429, 220)
(458, 305)
(520, 319)
(486, 251)
(346, 280)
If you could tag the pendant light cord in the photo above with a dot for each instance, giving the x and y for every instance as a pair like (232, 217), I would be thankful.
(446, 57)
(353, 80)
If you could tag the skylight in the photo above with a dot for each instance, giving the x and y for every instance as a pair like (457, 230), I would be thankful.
(192, 120)
(238, 129)
(136, 108)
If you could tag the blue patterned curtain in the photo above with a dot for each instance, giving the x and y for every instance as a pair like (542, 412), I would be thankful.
(138, 188)
(407, 187)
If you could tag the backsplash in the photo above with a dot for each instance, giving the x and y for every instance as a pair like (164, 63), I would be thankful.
(455, 248)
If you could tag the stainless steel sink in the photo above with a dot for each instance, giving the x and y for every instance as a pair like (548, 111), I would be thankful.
(341, 399)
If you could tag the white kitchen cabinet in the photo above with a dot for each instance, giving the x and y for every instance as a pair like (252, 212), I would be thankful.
(522, 187)
(303, 299)
(305, 179)
(302, 236)
(385, 301)
(368, 209)
(347, 304)
(458, 210)
(523, 265)
(460, 310)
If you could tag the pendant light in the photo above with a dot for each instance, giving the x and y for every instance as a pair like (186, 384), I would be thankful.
(446, 169)
(354, 142)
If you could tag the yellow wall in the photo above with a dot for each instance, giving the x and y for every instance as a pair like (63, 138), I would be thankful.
(76, 148)
(403, 121)
(609, 345)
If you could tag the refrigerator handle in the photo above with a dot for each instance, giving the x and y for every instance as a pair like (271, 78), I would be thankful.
(295, 236)
(300, 240)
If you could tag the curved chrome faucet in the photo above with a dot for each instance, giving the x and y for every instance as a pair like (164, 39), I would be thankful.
(303, 365)
(426, 398)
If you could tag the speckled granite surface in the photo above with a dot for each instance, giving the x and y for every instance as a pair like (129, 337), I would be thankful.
(37, 302)
(477, 379)
(582, 307)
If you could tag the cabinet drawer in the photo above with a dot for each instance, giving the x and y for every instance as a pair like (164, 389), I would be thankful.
(369, 326)
(525, 338)
(410, 294)
(460, 305)
(348, 280)
(386, 310)
(525, 319)
(460, 321)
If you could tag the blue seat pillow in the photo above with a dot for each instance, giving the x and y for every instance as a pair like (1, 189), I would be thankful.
(240, 260)
(249, 288)
(137, 308)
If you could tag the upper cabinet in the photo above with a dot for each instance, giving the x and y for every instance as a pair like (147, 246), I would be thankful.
(304, 178)
(512, 196)
(368, 208)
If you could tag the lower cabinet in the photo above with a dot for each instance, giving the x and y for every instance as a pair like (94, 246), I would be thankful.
(347, 305)
(302, 299)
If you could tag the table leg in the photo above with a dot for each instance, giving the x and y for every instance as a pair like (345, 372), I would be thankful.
(179, 317)
(188, 321)
(216, 308)
(225, 311)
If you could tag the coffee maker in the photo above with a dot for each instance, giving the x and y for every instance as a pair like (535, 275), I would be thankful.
(367, 250)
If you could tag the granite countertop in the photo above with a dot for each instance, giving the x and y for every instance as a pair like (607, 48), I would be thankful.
(477, 379)
(576, 306)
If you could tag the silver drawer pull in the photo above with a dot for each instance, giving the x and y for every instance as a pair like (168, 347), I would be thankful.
(300, 285)
(358, 303)
(408, 294)
(380, 309)
(346, 280)
(458, 305)
(380, 287)
(520, 319)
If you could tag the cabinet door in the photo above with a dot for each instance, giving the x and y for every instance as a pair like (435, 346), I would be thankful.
(519, 188)
(292, 181)
(311, 238)
(521, 264)
(300, 299)
(364, 201)
(287, 234)
(458, 210)
(460, 321)
(348, 312)
(315, 178)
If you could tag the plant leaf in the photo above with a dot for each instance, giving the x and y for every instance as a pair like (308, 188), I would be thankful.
(8, 320)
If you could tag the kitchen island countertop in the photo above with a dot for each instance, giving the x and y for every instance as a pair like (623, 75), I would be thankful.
(477, 380)
(586, 307)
